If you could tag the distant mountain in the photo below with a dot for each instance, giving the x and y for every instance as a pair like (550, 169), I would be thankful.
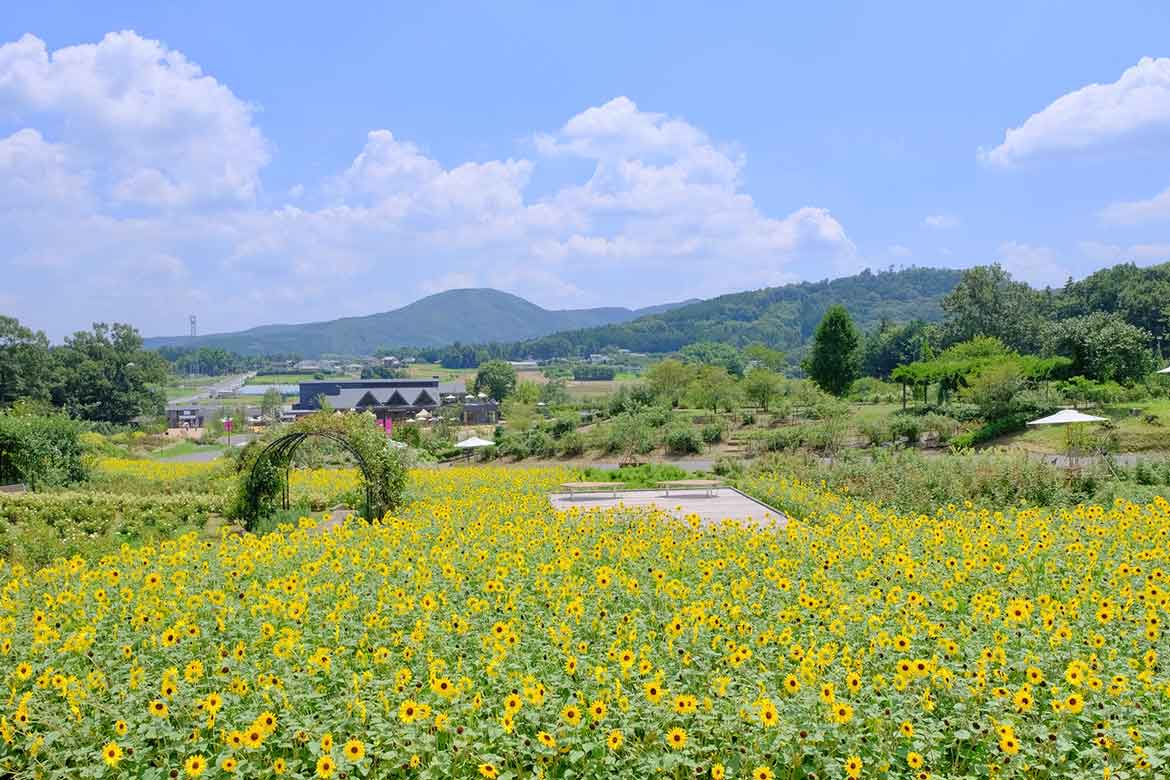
(781, 317)
(471, 315)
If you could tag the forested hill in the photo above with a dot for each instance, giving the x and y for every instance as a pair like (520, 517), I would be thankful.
(781, 317)
(443, 318)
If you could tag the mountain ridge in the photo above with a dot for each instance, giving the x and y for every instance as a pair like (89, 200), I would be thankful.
(473, 314)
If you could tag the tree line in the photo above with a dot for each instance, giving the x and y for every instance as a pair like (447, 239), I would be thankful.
(101, 375)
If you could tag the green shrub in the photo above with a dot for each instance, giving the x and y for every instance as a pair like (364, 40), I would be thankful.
(941, 426)
(657, 416)
(40, 450)
(991, 430)
(563, 424)
(712, 433)
(683, 440)
(904, 425)
(648, 475)
(571, 445)
(876, 431)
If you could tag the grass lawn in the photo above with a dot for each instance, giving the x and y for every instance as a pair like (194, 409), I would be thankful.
(428, 370)
(1133, 432)
(288, 379)
(185, 448)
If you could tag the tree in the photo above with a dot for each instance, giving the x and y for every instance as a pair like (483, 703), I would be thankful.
(497, 378)
(668, 379)
(271, 403)
(1103, 346)
(714, 353)
(527, 392)
(25, 363)
(764, 356)
(554, 393)
(891, 345)
(995, 388)
(106, 375)
(713, 388)
(761, 385)
(988, 302)
(834, 361)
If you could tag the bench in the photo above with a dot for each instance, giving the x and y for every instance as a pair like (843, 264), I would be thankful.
(591, 487)
(707, 485)
(17, 488)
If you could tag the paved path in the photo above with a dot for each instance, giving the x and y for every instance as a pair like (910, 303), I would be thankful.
(727, 503)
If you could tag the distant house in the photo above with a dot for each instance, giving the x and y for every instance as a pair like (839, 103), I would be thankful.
(193, 416)
(480, 411)
(185, 416)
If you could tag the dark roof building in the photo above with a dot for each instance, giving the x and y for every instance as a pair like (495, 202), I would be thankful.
(393, 398)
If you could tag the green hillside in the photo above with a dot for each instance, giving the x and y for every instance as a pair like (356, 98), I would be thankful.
(782, 317)
(471, 315)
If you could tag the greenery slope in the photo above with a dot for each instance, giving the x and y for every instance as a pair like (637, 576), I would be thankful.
(455, 315)
(781, 317)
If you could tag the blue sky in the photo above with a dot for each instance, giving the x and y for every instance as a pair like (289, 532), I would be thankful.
(263, 162)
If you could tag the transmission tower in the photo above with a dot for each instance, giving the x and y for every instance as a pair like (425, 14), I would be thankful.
(194, 332)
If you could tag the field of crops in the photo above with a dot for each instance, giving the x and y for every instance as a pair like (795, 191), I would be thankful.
(478, 634)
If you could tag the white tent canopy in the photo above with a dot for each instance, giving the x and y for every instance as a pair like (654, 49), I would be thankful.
(473, 443)
(423, 414)
(1066, 416)
(1165, 370)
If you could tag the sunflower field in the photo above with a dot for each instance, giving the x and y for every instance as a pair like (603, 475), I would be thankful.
(478, 633)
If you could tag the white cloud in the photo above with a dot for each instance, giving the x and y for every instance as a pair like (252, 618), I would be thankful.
(1156, 251)
(34, 172)
(158, 130)
(1113, 253)
(1101, 252)
(941, 221)
(898, 250)
(132, 192)
(1156, 209)
(1092, 115)
(1036, 265)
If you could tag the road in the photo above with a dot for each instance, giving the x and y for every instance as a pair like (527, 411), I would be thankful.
(225, 386)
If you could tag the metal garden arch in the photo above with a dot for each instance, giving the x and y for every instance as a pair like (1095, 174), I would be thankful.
(281, 449)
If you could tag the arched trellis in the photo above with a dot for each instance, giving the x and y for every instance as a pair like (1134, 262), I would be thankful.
(280, 451)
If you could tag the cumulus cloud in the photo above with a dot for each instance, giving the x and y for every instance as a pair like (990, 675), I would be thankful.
(1036, 265)
(941, 221)
(1092, 115)
(1113, 253)
(141, 175)
(1155, 209)
(34, 172)
(158, 129)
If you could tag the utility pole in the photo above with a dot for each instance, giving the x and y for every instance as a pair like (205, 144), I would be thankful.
(194, 332)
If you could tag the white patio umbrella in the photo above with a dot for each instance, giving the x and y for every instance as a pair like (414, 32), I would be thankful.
(473, 443)
(1071, 418)
(1066, 416)
(1165, 370)
(423, 414)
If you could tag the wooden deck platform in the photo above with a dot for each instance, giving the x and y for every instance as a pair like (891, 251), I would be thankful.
(725, 503)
